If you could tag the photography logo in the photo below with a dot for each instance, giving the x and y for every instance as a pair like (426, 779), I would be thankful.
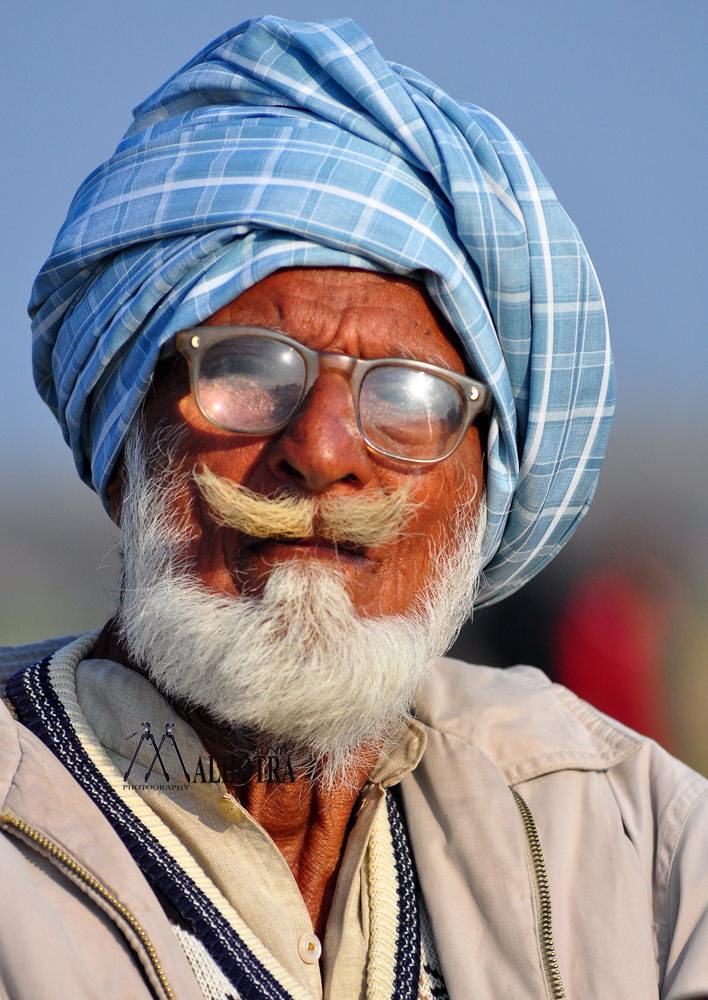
(147, 737)
(233, 769)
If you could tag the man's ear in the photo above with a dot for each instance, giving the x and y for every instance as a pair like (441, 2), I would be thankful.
(114, 492)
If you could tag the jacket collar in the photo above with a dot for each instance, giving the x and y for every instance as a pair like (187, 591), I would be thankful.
(525, 724)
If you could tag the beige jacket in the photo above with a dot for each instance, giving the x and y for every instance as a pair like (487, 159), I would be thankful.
(621, 825)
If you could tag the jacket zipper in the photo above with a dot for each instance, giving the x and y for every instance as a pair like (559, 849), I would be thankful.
(77, 871)
(542, 897)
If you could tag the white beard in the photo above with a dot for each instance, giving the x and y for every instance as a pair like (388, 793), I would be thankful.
(296, 665)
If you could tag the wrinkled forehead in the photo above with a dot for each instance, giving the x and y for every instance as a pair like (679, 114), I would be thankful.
(347, 310)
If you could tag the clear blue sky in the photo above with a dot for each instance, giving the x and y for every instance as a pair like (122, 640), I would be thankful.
(609, 96)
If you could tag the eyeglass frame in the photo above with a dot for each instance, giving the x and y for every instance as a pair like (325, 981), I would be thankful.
(193, 342)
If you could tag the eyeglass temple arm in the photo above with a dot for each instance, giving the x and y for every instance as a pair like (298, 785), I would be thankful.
(168, 350)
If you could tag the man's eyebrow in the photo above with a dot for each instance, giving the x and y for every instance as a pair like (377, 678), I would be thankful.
(398, 351)
(406, 354)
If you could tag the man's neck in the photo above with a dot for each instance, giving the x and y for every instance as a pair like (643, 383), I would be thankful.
(308, 825)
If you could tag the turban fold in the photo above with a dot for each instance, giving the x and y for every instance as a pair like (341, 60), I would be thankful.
(286, 144)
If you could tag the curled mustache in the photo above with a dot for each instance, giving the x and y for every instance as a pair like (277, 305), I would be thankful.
(356, 520)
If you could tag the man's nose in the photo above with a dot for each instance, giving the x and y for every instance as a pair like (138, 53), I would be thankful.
(322, 445)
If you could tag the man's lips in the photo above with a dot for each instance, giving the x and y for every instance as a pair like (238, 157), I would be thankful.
(311, 547)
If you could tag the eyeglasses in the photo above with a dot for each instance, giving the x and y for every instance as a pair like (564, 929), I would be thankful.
(252, 381)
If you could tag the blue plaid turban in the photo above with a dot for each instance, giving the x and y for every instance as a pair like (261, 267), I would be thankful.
(285, 144)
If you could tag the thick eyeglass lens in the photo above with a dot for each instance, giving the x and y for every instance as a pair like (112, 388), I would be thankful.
(250, 384)
(409, 413)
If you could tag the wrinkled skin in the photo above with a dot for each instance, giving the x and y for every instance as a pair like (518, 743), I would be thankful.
(321, 451)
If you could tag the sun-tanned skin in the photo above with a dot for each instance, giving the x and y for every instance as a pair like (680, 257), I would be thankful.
(365, 315)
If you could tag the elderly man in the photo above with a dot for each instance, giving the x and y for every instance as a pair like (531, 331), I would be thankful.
(326, 345)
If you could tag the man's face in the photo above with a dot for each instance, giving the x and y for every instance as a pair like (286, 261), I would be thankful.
(321, 452)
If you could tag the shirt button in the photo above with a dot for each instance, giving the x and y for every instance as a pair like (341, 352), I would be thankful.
(230, 809)
(309, 948)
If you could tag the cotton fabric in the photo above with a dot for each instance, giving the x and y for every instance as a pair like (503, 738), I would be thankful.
(288, 144)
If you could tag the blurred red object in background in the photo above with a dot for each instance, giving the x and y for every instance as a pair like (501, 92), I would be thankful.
(609, 644)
